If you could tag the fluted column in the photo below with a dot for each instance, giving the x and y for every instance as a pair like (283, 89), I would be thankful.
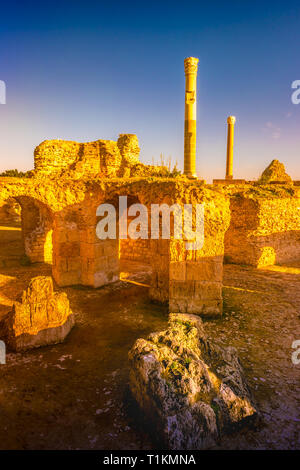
(230, 142)
(190, 68)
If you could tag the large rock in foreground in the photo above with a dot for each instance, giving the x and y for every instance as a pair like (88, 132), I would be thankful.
(42, 317)
(190, 390)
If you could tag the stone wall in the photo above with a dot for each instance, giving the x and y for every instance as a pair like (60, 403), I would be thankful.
(36, 222)
(263, 230)
(102, 156)
(42, 317)
(135, 250)
(79, 257)
(196, 276)
(10, 212)
(264, 220)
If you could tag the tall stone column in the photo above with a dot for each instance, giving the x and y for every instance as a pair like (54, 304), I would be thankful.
(190, 68)
(230, 142)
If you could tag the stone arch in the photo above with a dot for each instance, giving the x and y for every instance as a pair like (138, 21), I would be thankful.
(11, 244)
(82, 258)
(10, 211)
(37, 229)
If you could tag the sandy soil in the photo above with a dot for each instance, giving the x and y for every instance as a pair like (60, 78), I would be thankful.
(75, 395)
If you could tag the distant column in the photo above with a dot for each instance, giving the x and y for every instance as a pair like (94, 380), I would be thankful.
(230, 142)
(190, 68)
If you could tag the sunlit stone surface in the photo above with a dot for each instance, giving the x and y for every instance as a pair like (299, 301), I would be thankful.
(191, 390)
(42, 317)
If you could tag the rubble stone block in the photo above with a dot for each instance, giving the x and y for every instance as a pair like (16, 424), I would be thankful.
(190, 390)
(42, 317)
(275, 172)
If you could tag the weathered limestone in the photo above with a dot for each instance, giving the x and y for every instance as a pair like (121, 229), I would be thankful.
(190, 67)
(190, 390)
(78, 159)
(196, 276)
(264, 228)
(229, 182)
(135, 250)
(60, 217)
(10, 211)
(230, 142)
(37, 227)
(42, 317)
(129, 148)
(68, 159)
(275, 173)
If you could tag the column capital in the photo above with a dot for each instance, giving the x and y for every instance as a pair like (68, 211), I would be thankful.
(231, 120)
(191, 65)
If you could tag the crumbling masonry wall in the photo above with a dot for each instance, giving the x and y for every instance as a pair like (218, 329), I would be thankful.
(79, 257)
(196, 276)
(61, 213)
(106, 157)
(10, 212)
(36, 222)
(135, 250)
(264, 230)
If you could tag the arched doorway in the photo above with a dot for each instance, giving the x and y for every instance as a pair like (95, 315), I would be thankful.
(11, 243)
(37, 229)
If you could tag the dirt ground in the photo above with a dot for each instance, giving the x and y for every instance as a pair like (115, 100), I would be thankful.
(75, 395)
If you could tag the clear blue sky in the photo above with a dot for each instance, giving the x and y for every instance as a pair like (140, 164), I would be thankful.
(91, 70)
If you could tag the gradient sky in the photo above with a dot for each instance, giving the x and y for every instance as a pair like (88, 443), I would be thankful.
(91, 70)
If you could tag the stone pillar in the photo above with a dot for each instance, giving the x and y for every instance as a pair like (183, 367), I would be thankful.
(230, 141)
(190, 68)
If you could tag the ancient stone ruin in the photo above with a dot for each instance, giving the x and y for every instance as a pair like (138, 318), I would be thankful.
(265, 226)
(42, 317)
(54, 158)
(250, 224)
(191, 390)
(275, 173)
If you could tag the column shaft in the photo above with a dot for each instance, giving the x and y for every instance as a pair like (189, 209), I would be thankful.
(230, 143)
(190, 65)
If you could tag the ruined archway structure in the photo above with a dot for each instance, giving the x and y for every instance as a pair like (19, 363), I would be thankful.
(36, 223)
(265, 225)
(255, 224)
(190, 280)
